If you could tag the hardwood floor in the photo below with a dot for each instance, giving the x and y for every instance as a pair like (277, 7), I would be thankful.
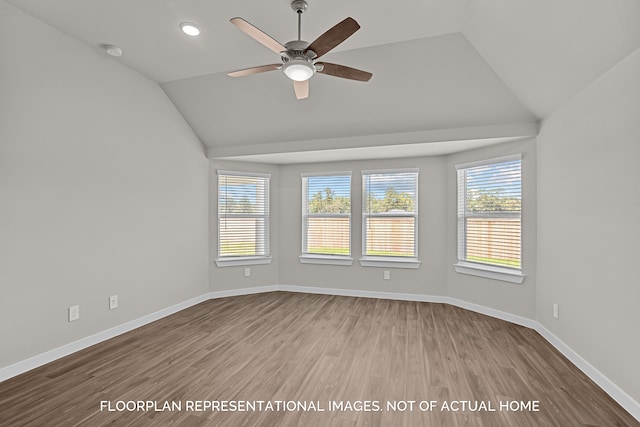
(312, 350)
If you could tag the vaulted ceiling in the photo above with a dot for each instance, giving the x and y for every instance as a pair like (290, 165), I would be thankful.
(448, 74)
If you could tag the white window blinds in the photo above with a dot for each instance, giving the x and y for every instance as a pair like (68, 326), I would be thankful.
(326, 214)
(243, 215)
(489, 212)
(390, 213)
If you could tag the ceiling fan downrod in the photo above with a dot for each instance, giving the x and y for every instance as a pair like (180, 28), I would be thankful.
(299, 6)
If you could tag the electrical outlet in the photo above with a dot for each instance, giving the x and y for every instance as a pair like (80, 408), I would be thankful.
(74, 313)
(247, 272)
(386, 275)
(556, 311)
(113, 302)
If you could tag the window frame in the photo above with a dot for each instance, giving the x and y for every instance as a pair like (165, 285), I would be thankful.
(237, 260)
(367, 260)
(318, 258)
(487, 270)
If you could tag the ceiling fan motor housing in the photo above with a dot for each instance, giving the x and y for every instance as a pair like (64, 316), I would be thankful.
(298, 63)
(297, 50)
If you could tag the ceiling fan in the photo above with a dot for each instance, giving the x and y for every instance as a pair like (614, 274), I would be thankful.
(298, 57)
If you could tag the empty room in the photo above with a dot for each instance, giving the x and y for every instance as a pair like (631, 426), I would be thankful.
(319, 213)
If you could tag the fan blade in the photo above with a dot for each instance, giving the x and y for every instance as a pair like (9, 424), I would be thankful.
(258, 35)
(301, 88)
(254, 70)
(334, 36)
(344, 72)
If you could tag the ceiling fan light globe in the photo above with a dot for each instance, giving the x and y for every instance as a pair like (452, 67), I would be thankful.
(299, 70)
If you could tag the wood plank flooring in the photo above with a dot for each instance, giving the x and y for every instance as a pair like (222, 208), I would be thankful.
(312, 350)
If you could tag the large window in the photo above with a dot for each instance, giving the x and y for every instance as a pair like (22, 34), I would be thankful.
(390, 214)
(243, 216)
(326, 215)
(489, 213)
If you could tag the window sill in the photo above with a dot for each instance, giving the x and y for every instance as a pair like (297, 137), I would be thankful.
(325, 259)
(391, 262)
(490, 272)
(235, 261)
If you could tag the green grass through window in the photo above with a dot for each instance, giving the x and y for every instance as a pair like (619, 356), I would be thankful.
(328, 251)
(496, 261)
(237, 248)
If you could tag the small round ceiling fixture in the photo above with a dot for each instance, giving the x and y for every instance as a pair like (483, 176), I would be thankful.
(190, 29)
(113, 50)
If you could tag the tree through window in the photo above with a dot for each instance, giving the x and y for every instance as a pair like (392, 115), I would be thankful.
(243, 215)
(389, 213)
(489, 213)
(326, 214)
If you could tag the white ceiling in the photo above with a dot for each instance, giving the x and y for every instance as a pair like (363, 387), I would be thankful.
(448, 85)
(546, 51)
(148, 30)
(366, 153)
(437, 64)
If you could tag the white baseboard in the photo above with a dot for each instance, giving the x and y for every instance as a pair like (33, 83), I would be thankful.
(617, 394)
(67, 349)
(603, 382)
(243, 291)
(361, 294)
(512, 318)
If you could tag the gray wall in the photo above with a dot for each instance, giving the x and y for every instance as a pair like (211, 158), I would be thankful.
(588, 210)
(519, 299)
(103, 191)
(427, 280)
(437, 242)
(233, 278)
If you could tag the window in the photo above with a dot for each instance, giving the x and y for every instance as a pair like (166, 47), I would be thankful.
(243, 218)
(390, 218)
(489, 215)
(326, 218)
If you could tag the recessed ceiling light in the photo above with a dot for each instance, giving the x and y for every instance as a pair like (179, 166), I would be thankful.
(113, 50)
(190, 29)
